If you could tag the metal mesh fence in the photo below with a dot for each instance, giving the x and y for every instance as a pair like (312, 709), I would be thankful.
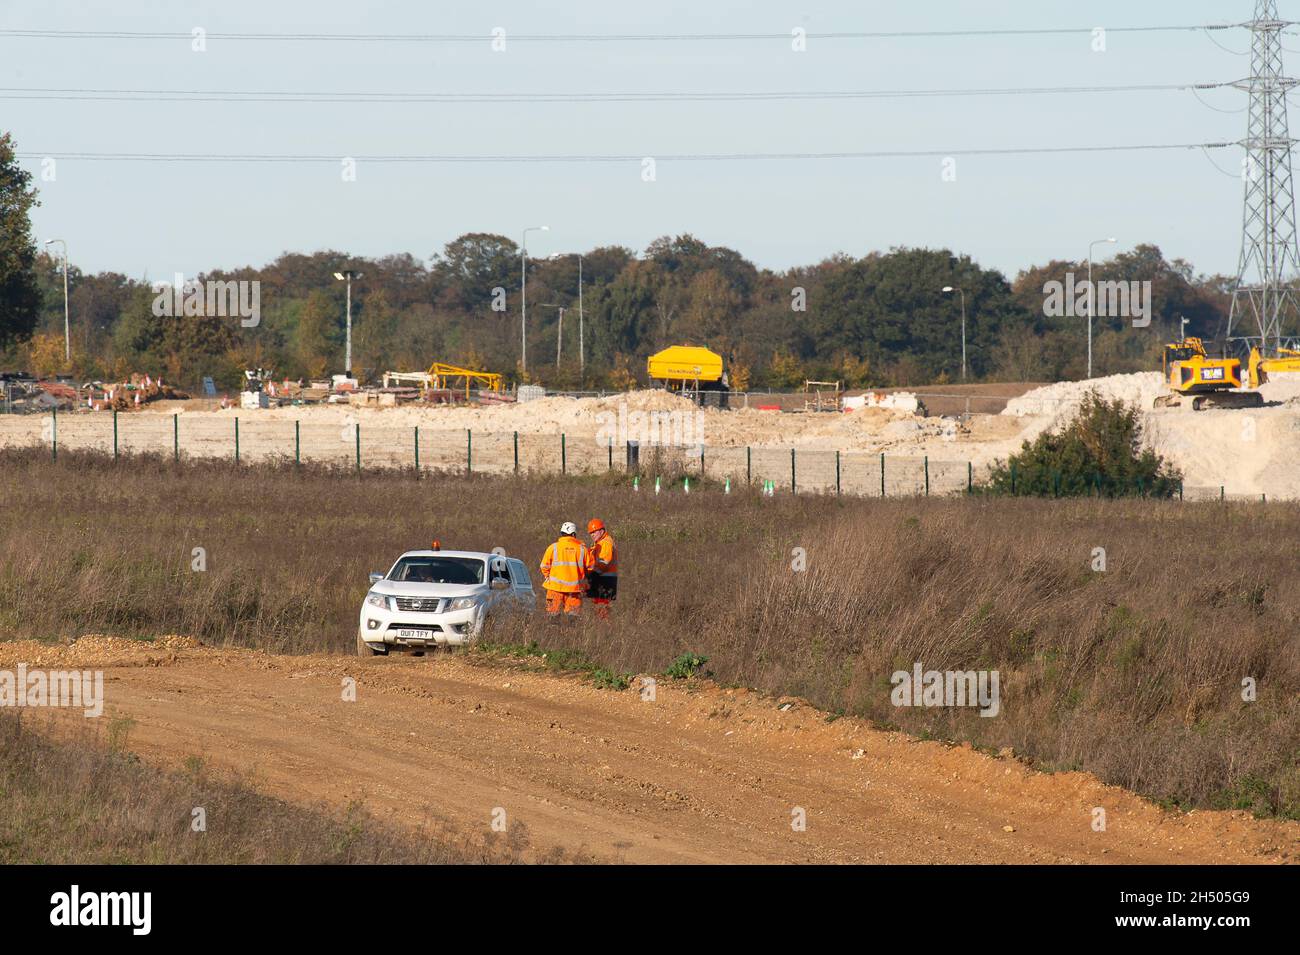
(347, 443)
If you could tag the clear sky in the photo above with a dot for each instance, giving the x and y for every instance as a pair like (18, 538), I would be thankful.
(154, 219)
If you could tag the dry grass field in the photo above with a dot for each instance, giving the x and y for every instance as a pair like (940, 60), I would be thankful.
(1134, 672)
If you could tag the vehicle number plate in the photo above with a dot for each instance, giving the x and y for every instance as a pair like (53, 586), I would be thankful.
(415, 634)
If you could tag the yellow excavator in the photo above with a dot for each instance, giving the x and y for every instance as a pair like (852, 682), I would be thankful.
(1287, 360)
(1199, 382)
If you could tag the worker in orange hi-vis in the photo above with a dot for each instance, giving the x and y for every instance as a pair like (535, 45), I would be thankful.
(602, 569)
(564, 572)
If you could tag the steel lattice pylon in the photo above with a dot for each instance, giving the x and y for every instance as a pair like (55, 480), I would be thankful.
(1269, 254)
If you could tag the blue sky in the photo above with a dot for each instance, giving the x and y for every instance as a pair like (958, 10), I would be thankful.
(149, 219)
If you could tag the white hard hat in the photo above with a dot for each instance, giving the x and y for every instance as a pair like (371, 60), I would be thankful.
(568, 527)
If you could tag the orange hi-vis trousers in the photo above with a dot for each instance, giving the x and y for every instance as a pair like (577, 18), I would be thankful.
(558, 601)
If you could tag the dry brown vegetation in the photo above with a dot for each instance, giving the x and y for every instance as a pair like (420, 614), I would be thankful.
(1134, 673)
(80, 801)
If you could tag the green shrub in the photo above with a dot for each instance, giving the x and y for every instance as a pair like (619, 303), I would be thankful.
(685, 666)
(1098, 453)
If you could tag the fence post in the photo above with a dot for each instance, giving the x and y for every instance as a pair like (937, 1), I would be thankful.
(564, 454)
(236, 437)
(927, 475)
(793, 490)
(469, 451)
(54, 433)
(749, 461)
(882, 474)
(516, 452)
(417, 452)
(356, 433)
(297, 445)
(701, 460)
(970, 477)
(115, 432)
(837, 473)
(1180, 490)
(1221, 495)
(610, 448)
(1013, 478)
(1056, 484)
(176, 438)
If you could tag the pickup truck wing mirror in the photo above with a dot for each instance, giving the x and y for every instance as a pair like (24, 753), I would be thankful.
(376, 576)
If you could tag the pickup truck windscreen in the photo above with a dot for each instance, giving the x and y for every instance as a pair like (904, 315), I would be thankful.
(438, 570)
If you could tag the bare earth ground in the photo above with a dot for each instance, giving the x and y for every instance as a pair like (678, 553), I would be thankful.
(700, 774)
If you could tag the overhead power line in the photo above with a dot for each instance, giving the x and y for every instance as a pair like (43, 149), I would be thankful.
(309, 96)
(587, 37)
(316, 96)
(610, 158)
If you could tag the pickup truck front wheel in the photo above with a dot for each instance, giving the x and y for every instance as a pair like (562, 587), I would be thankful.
(364, 649)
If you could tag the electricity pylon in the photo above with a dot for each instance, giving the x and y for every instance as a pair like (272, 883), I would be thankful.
(1269, 255)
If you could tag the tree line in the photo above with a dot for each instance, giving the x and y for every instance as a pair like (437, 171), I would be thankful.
(881, 319)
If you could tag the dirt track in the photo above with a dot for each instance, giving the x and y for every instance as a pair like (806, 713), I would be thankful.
(703, 775)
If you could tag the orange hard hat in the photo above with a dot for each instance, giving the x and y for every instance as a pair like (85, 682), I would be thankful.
(595, 524)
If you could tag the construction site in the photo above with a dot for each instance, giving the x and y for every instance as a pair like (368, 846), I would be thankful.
(993, 573)
(1241, 453)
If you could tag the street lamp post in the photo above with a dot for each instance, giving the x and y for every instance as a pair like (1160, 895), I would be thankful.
(67, 337)
(948, 289)
(347, 276)
(523, 295)
(582, 361)
(1092, 296)
(559, 338)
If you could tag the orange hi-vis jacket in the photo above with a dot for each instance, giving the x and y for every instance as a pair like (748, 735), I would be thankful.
(604, 556)
(564, 566)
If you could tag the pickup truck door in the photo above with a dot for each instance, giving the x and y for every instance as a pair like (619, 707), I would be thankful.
(523, 590)
(498, 569)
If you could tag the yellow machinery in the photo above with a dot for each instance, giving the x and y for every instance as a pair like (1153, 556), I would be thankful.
(1201, 382)
(1287, 361)
(687, 368)
(443, 375)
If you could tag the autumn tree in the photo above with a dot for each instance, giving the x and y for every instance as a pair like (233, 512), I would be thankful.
(314, 339)
(20, 297)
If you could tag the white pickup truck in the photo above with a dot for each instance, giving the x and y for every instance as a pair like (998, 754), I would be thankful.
(435, 598)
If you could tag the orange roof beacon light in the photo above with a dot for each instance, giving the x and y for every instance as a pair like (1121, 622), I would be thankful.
(436, 545)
